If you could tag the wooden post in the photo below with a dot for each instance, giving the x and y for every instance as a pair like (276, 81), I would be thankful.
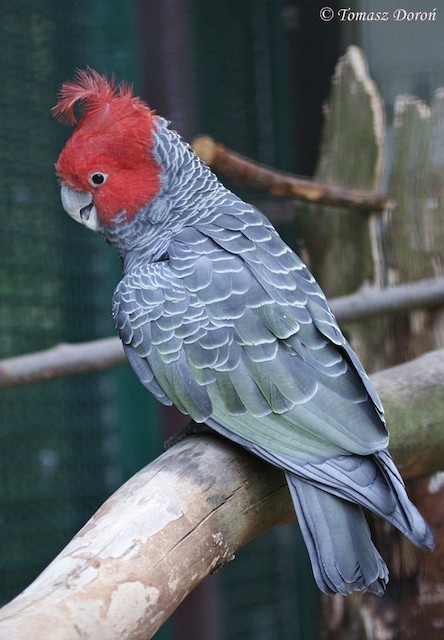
(342, 247)
(413, 248)
(403, 244)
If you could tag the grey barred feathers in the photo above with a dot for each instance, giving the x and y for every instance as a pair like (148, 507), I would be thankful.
(220, 317)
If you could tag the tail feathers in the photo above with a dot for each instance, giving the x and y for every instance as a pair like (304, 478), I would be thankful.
(375, 483)
(406, 516)
(342, 554)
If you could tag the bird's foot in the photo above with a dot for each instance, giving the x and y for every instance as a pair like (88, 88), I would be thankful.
(191, 429)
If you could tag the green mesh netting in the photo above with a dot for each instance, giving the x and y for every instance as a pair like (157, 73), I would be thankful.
(60, 446)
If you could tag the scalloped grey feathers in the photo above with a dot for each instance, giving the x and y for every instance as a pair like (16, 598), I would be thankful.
(218, 316)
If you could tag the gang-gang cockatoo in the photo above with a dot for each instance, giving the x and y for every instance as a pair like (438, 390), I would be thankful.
(218, 316)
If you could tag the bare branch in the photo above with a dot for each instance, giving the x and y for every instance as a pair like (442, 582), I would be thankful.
(370, 302)
(61, 360)
(244, 171)
(69, 359)
(186, 514)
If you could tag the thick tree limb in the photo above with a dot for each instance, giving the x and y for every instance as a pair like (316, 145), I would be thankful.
(186, 514)
(244, 171)
(151, 543)
(69, 359)
(413, 399)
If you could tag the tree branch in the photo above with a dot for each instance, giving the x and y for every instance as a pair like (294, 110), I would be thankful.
(61, 360)
(244, 171)
(370, 302)
(96, 355)
(150, 544)
(186, 514)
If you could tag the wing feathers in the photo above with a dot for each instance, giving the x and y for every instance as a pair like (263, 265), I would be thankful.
(235, 331)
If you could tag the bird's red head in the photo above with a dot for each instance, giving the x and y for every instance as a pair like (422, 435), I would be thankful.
(109, 154)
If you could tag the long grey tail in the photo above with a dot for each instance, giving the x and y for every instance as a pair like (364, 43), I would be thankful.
(342, 554)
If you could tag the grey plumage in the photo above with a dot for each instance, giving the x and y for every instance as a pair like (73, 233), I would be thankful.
(221, 318)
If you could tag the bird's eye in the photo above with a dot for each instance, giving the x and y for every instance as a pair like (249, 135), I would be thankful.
(97, 178)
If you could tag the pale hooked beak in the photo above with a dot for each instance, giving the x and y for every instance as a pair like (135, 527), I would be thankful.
(80, 206)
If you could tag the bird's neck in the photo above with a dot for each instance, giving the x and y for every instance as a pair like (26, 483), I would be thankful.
(189, 192)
